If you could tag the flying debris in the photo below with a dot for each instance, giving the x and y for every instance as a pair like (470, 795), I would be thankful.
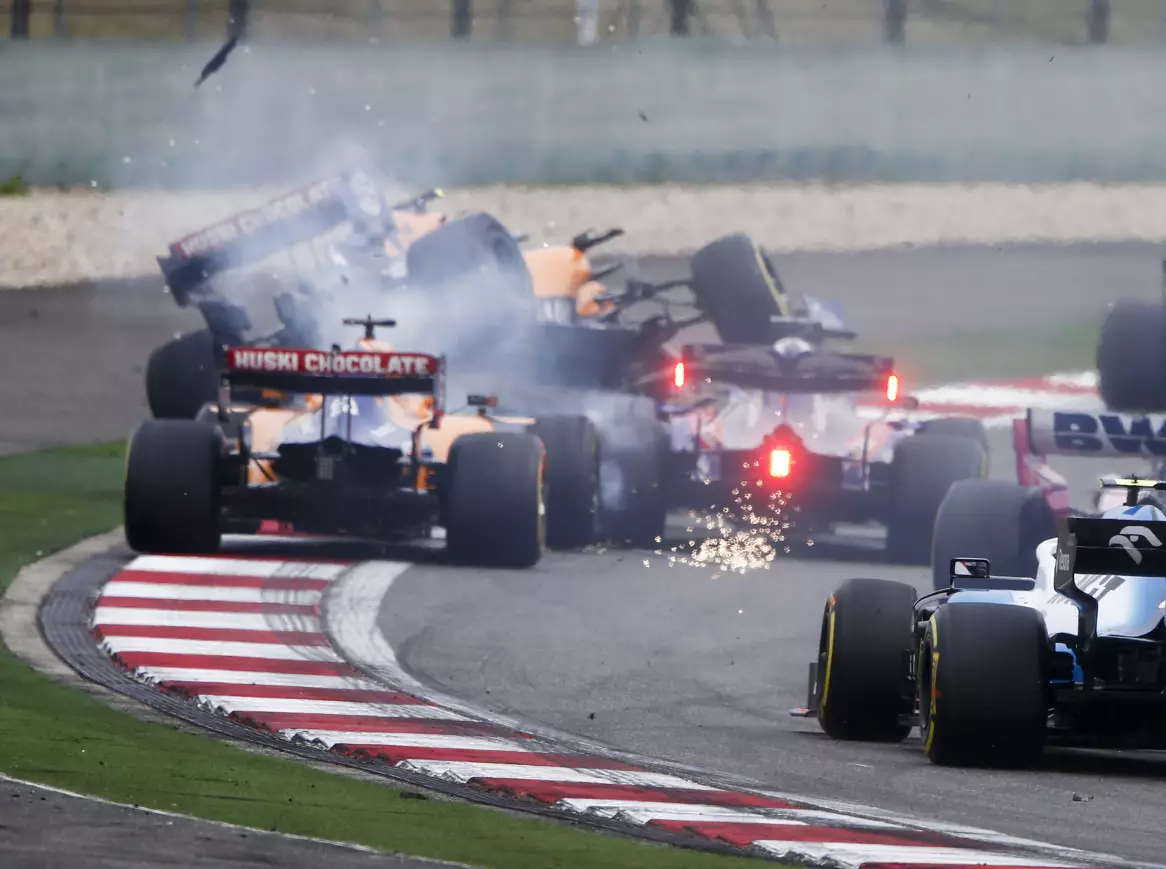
(216, 62)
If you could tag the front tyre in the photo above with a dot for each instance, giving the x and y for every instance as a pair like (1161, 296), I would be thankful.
(867, 634)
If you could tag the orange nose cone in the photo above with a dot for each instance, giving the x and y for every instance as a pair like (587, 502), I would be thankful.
(779, 462)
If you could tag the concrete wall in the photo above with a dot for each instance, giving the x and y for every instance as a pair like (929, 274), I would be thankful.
(128, 114)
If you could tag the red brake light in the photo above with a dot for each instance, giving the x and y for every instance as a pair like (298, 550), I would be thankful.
(678, 375)
(893, 387)
(779, 463)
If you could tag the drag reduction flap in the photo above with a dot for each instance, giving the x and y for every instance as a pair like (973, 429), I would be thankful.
(349, 372)
(1102, 435)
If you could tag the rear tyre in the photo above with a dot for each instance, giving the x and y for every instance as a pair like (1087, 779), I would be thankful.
(182, 376)
(475, 247)
(959, 426)
(983, 695)
(634, 496)
(495, 514)
(736, 288)
(863, 687)
(994, 519)
(922, 471)
(1131, 356)
(172, 502)
(572, 479)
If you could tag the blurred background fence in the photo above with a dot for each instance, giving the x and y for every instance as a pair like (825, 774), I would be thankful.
(587, 21)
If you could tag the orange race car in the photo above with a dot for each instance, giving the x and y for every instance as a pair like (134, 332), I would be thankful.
(366, 448)
(388, 248)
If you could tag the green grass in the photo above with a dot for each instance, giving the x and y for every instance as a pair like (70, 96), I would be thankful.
(995, 353)
(58, 736)
(14, 186)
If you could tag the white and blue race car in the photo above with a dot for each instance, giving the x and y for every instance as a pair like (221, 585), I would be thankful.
(999, 662)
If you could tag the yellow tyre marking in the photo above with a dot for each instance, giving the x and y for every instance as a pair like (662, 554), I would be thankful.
(778, 296)
(931, 704)
(829, 657)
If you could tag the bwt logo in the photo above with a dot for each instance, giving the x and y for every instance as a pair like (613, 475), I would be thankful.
(1127, 540)
(1108, 432)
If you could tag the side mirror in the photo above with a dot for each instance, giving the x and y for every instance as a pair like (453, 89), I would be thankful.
(968, 568)
(481, 402)
(908, 402)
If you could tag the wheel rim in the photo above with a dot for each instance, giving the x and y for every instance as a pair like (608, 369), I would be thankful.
(825, 637)
(924, 679)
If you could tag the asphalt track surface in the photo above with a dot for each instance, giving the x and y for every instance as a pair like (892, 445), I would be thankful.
(682, 663)
(671, 662)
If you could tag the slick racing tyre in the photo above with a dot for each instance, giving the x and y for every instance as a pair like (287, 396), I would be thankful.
(494, 505)
(994, 519)
(922, 471)
(572, 479)
(172, 488)
(635, 451)
(1131, 356)
(182, 376)
(862, 673)
(737, 287)
(959, 426)
(473, 248)
(982, 685)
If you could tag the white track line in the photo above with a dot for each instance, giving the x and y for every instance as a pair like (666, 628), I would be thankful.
(414, 740)
(402, 711)
(132, 616)
(643, 812)
(272, 651)
(847, 854)
(215, 593)
(246, 677)
(464, 771)
(297, 706)
(236, 567)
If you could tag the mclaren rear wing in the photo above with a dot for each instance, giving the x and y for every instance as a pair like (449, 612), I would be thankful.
(296, 217)
(332, 372)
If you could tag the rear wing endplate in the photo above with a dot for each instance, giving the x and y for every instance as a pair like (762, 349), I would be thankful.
(305, 371)
(294, 218)
(1092, 546)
